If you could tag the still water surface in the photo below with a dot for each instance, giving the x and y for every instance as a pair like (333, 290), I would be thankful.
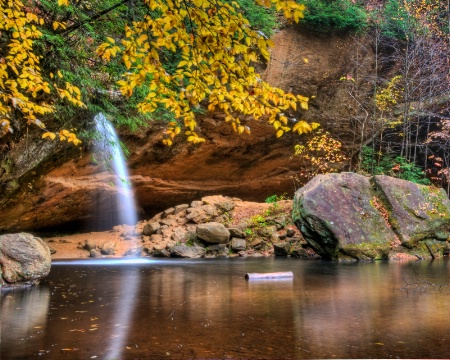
(179, 309)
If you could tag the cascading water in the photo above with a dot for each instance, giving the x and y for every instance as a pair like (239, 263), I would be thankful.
(126, 207)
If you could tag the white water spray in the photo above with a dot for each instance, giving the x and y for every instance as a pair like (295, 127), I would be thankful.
(126, 206)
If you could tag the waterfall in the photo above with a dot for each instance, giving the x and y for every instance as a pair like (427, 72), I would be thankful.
(110, 145)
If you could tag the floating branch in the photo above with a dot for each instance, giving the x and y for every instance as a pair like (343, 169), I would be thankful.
(275, 275)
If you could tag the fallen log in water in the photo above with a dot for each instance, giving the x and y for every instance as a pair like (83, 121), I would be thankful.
(275, 275)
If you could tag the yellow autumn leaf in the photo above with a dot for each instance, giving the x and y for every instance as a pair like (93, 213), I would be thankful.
(49, 134)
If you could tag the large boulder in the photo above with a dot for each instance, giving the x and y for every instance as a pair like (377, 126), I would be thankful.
(213, 233)
(24, 259)
(417, 212)
(348, 215)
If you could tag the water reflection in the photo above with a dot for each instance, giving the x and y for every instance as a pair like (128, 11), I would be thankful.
(24, 319)
(206, 309)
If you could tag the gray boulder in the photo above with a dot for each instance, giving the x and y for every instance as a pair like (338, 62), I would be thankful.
(416, 212)
(201, 214)
(217, 251)
(213, 233)
(150, 228)
(281, 248)
(184, 251)
(238, 244)
(352, 216)
(236, 232)
(24, 259)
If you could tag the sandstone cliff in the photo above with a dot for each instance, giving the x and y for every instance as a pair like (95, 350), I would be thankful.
(44, 184)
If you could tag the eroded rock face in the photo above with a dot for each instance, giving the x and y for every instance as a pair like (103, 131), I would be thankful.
(24, 259)
(352, 216)
(47, 184)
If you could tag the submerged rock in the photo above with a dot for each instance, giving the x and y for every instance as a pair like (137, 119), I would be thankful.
(24, 259)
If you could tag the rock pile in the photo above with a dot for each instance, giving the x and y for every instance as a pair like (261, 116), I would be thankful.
(215, 226)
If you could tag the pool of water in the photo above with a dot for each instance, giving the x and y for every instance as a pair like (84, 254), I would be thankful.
(205, 309)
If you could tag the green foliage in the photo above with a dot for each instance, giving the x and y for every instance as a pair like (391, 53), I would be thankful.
(260, 18)
(341, 15)
(397, 22)
(70, 51)
(389, 164)
(275, 198)
(405, 19)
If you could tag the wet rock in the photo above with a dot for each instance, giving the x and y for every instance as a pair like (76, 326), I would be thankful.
(281, 248)
(217, 251)
(108, 248)
(213, 233)
(238, 244)
(184, 251)
(24, 259)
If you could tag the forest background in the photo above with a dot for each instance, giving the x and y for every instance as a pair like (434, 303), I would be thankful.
(144, 62)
